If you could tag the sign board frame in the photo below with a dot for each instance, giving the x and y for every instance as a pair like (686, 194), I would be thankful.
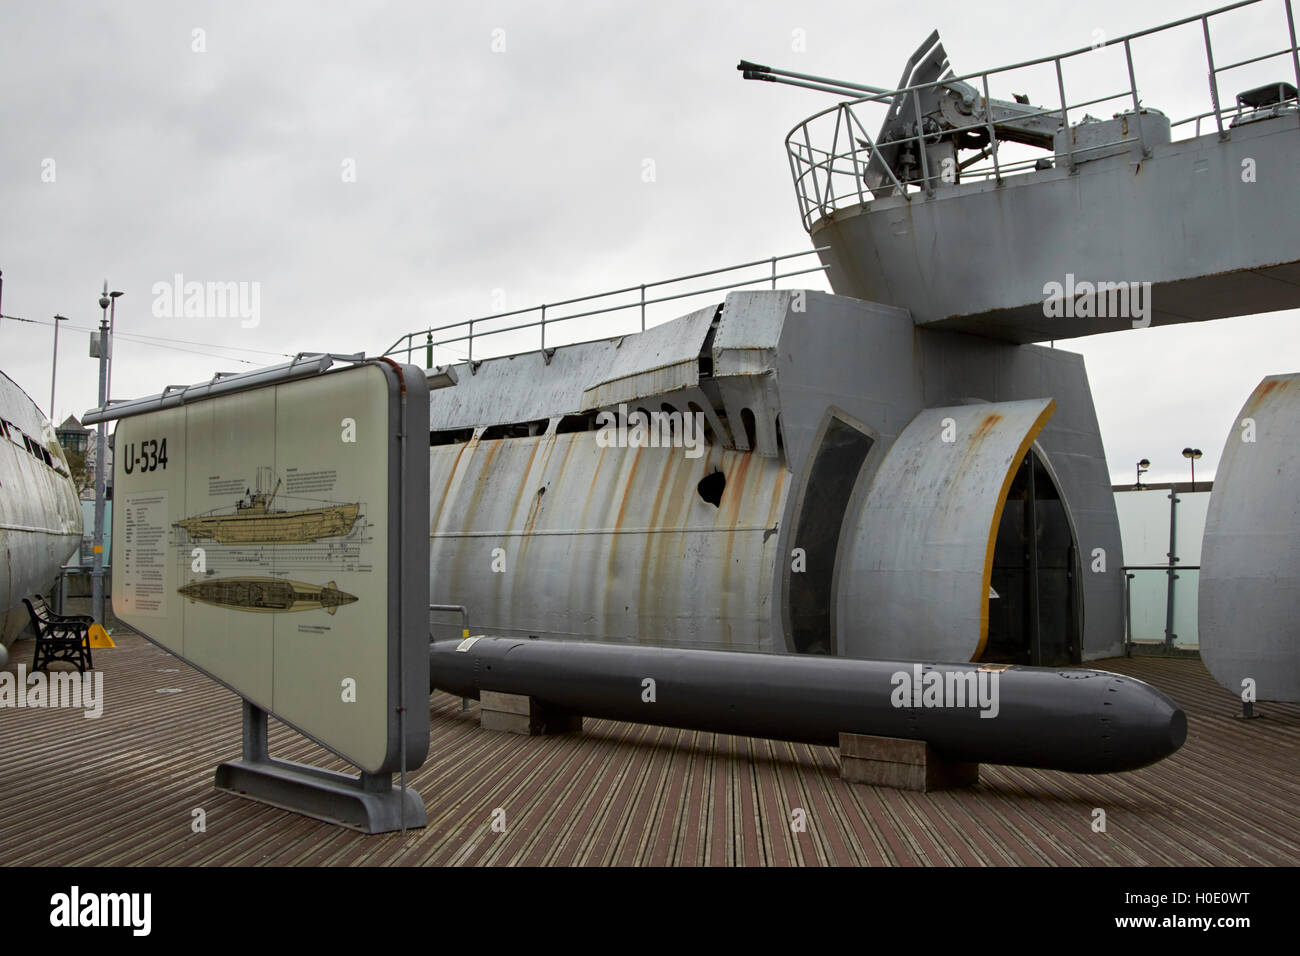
(217, 620)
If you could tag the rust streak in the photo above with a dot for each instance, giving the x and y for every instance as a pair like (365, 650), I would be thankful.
(451, 477)
(1266, 389)
(986, 426)
(628, 482)
(523, 479)
(736, 487)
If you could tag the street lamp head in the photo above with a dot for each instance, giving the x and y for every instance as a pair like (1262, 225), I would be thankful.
(115, 294)
(1142, 467)
(1192, 453)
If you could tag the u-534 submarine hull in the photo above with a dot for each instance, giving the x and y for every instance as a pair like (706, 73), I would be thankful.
(1076, 720)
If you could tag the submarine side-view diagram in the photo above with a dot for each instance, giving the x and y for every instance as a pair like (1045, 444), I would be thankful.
(253, 522)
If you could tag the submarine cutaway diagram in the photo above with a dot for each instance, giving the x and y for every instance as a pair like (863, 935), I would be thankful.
(273, 595)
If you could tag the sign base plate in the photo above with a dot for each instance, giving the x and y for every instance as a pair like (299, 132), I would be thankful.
(369, 802)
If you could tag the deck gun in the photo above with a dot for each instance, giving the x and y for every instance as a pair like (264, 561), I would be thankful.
(928, 106)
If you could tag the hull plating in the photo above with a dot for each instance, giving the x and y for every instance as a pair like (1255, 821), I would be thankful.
(40, 516)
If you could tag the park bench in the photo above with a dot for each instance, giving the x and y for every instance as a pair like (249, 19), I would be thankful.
(59, 637)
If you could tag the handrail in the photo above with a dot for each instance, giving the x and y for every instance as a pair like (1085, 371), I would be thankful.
(460, 609)
(946, 81)
(407, 344)
(818, 173)
(1171, 571)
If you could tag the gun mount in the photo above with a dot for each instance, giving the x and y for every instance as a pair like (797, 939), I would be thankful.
(930, 111)
(999, 217)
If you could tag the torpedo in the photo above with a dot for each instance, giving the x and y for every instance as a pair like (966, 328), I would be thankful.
(1071, 719)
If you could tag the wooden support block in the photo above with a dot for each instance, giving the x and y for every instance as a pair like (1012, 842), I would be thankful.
(505, 703)
(520, 714)
(902, 764)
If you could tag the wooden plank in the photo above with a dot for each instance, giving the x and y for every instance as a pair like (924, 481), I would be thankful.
(629, 794)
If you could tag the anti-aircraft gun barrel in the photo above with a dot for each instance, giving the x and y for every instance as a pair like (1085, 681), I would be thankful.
(756, 71)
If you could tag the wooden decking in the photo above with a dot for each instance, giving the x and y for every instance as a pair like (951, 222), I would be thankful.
(625, 794)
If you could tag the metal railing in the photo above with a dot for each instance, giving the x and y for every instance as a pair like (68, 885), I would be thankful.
(470, 331)
(1172, 601)
(463, 611)
(460, 609)
(830, 178)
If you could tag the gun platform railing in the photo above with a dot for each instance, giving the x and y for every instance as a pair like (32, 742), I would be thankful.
(828, 179)
(472, 331)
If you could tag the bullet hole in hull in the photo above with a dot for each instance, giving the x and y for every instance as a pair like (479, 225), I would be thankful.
(711, 487)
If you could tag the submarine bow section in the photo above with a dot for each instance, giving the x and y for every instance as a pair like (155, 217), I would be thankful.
(40, 515)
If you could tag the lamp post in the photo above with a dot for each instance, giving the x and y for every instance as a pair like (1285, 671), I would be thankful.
(112, 316)
(1191, 454)
(97, 572)
(1142, 468)
(54, 365)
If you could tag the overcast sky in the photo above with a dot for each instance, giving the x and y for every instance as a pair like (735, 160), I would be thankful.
(379, 167)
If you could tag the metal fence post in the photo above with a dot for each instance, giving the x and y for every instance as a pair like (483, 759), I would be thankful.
(1137, 106)
(920, 143)
(1065, 115)
(1214, 78)
(1173, 569)
(993, 133)
(1128, 614)
(812, 168)
(1295, 54)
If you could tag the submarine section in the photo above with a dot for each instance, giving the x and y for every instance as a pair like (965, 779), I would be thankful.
(931, 216)
(1077, 720)
(40, 516)
(798, 516)
(1250, 564)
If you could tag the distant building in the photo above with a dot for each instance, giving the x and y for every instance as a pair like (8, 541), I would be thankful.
(75, 438)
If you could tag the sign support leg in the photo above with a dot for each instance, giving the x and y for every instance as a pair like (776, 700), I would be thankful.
(368, 802)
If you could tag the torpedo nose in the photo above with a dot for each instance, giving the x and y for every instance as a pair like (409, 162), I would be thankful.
(1177, 730)
(1144, 724)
